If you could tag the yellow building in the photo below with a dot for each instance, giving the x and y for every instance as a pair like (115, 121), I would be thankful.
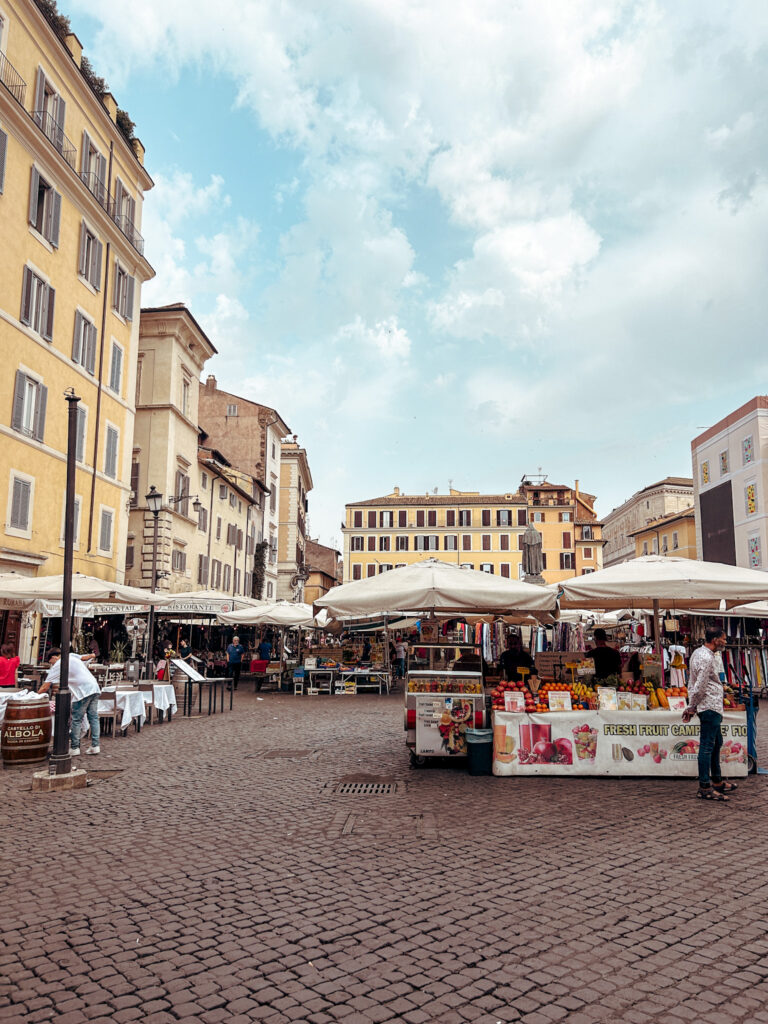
(71, 270)
(674, 534)
(482, 531)
(571, 534)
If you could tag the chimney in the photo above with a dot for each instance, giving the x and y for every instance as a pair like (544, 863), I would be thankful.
(110, 105)
(396, 491)
(576, 489)
(210, 382)
(75, 47)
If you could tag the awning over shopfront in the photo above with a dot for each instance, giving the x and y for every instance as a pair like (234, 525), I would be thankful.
(277, 613)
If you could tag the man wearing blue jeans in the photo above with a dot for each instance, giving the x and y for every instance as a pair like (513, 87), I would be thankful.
(85, 698)
(705, 698)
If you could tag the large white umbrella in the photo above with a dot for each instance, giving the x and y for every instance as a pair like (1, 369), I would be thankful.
(671, 582)
(84, 588)
(435, 586)
(276, 613)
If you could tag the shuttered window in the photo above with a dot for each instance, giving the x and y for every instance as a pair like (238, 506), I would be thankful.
(567, 539)
(386, 520)
(504, 517)
(449, 542)
(30, 399)
(486, 542)
(402, 518)
(44, 208)
(371, 520)
(450, 517)
(110, 452)
(20, 504)
(371, 543)
(3, 154)
(432, 517)
(466, 542)
(37, 304)
(105, 530)
(371, 570)
(178, 560)
(202, 520)
(522, 517)
(504, 570)
(129, 556)
(401, 543)
(90, 257)
(84, 343)
(227, 577)
(357, 572)
(486, 517)
(420, 517)
(122, 296)
(566, 560)
(135, 470)
(357, 543)
(504, 541)
(357, 518)
(384, 544)
(465, 517)
(82, 418)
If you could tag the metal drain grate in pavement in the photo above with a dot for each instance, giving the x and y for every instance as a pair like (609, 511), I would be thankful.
(366, 788)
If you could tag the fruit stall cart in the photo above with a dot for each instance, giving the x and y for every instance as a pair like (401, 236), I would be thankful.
(441, 703)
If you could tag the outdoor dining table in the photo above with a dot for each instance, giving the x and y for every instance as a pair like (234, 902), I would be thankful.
(215, 686)
(162, 698)
(320, 679)
(131, 702)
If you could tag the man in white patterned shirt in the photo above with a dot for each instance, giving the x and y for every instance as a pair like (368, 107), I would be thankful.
(705, 699)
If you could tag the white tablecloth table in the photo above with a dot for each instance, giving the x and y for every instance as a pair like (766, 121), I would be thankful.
(7, 694)
(163, 698)
(132, 704)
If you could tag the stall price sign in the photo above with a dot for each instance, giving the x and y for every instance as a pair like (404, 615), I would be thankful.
(559, 700)
(677, 703)
(514, 700)
(607, 698)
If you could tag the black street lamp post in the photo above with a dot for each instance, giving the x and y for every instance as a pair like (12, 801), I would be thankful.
(154, 504)
(60, 762)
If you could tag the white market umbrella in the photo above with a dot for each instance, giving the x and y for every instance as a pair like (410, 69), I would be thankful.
(678, 583)
(435, 586)
(84, 588)
(277, 613)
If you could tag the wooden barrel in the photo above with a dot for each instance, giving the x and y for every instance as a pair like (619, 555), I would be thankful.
(26, 733)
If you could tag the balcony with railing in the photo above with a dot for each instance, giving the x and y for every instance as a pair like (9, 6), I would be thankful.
(96, 186)
(12, 80)
(126, 226)
(55, 135)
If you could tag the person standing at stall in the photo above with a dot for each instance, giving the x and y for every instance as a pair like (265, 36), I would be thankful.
(705, 699)
(85, 697)
(265, 650)
(401, 652)
(513, 659)
(607, 659)
(235, 653)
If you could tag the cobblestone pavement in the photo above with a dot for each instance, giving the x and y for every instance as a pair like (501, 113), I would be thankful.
(218, 876)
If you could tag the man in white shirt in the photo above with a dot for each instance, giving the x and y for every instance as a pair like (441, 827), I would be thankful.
(705, 699)
(85, 697)
(401, 653)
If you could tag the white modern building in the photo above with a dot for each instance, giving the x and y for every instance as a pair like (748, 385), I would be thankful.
(730, 473)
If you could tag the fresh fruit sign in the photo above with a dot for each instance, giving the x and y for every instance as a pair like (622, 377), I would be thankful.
(610, 743)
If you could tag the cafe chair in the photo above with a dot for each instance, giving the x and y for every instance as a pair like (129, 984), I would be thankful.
(109, 711)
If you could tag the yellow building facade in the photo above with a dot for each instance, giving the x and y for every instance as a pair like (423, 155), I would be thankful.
(572, 538)
(482, 531)
(674, 535)
(71, 270)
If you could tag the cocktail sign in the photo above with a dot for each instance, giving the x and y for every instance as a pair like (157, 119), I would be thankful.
(514, 700)
(607, 698)
(559, 700)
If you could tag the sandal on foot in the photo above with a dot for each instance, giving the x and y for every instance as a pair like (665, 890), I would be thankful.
(711, 794)
(725, 787)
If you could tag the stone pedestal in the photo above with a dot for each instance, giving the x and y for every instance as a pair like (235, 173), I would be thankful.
(42, 782)
(538, 579)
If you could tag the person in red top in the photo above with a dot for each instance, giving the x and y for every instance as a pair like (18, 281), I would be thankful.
(9, 665)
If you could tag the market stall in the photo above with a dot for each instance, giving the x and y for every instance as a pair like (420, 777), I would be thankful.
(442, 700)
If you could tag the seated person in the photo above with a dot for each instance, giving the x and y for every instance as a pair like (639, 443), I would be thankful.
(607, 659)
(513, 659)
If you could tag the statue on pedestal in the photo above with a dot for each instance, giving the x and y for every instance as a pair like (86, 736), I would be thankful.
(533, 560)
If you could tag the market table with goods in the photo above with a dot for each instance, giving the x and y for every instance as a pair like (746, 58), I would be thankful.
(628, 728)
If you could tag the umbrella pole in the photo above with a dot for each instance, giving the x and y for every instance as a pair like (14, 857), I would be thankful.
(657, 637)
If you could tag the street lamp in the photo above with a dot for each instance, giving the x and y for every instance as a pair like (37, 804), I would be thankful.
(154, 504)
(196, 504)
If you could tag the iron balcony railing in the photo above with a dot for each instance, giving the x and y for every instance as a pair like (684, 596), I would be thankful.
(55, 135)
(12, 80)
(95, 185)
(126, 226)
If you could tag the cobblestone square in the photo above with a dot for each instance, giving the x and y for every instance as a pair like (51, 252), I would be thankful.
(212, 872)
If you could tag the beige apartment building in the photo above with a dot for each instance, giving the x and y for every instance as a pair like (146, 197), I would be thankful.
(572, 535)
(479, 530)
(295, 485)
(665, 497)
(250, 436)
(210, 513)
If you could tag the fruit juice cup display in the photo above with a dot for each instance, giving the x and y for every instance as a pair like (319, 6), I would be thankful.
(503, 744)
(585, 742)
(531, 733)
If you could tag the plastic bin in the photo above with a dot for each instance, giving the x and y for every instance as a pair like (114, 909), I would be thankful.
(480, 751)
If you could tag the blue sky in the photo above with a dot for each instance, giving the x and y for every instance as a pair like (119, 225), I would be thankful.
(456, 242)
